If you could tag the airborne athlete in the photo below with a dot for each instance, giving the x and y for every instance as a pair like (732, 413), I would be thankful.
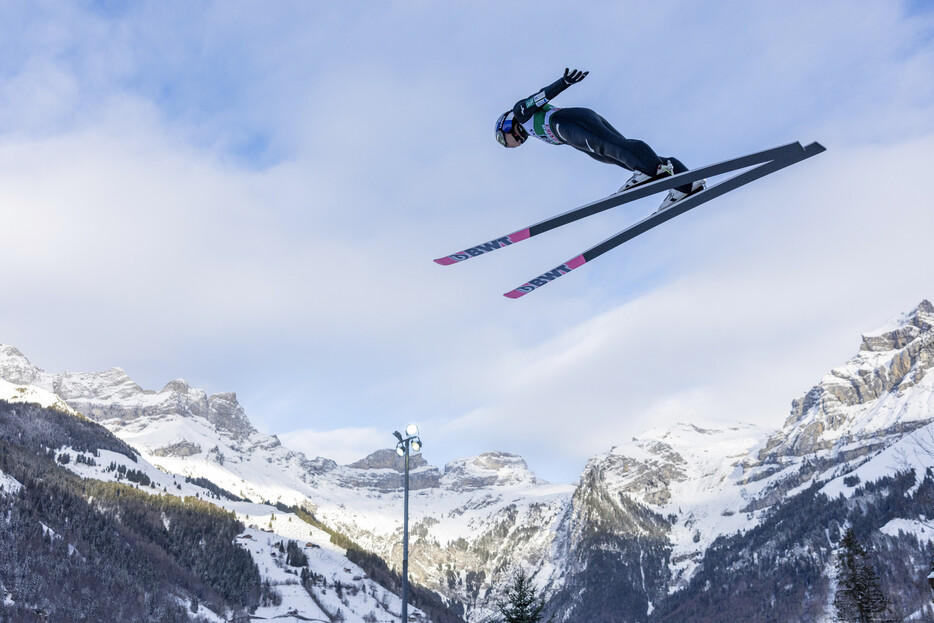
(586, 131)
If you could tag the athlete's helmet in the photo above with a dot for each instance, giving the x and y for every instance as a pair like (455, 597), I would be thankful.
(506, 125)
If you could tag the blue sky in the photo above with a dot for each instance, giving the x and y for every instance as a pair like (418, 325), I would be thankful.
(249, 196)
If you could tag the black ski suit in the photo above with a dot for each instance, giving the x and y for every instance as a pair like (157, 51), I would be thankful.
(586, 131)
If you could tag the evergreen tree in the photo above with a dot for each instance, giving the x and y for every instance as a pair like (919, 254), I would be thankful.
(859, 597)
(522, 604)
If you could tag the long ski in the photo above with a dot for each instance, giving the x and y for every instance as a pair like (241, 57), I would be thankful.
(620, 198)
(785, 159)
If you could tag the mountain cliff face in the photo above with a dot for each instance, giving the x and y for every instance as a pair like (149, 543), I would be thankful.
(690, 491)
(112, 398)
(874, 394)
(641, 537)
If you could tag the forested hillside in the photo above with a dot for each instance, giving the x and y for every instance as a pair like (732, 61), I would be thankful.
(76, 549)
(781, 569)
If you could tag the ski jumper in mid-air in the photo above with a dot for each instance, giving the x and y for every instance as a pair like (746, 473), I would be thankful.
(585, 130)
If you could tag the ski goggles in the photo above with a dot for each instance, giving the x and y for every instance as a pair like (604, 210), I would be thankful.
(504, 126)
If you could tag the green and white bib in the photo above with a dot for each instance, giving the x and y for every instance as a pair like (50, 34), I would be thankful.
(539, 125)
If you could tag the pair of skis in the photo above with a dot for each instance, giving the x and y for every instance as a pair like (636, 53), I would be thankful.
(768, 161)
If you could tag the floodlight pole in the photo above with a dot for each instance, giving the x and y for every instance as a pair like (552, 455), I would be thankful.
(403, 448)
(405, 542)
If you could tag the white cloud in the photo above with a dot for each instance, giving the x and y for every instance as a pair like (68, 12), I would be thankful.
(251, 199)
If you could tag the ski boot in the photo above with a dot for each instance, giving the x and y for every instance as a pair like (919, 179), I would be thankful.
(638, 177)
(675, 195)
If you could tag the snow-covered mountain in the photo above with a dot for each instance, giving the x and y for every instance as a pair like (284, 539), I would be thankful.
(473, 519)
(885, 389)
(635, 533)
(697, 483)
(305, 575)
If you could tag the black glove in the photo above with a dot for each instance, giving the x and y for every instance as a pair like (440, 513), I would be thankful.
(573, 76)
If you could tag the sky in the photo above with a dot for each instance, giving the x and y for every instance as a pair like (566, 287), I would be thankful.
(249, 196)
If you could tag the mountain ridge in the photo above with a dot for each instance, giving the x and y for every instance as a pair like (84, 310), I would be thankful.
(666, 498)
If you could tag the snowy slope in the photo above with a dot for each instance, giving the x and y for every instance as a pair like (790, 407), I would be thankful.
(268, 528)
(11, 392)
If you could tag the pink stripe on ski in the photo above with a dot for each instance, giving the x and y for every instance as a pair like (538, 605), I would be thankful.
(446, 261)
(577, 262)
(519, 236)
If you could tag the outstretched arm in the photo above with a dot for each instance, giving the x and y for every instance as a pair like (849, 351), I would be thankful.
(524, 109)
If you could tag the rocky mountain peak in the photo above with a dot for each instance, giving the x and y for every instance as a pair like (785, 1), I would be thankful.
(389, 459)
(16, 368)
(114, 397)
(384, 471)
(489, 469)
(901, 332)
(226, 414)
(179, 386)
(651, 466)
(891, 361)
(112, 384)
